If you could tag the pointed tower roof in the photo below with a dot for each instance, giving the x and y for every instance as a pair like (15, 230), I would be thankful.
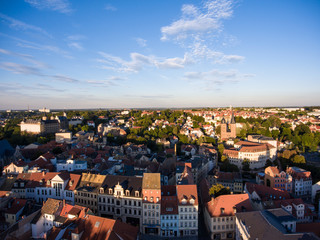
(232, 121)
(223, 121)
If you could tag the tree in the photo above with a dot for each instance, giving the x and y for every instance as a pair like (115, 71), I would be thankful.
(226, 166)
(268, 163)
(218, 130)
(218, 189)
(243, 133)
(220, 151)
(246, 165)
(223, 158)
(299, 159)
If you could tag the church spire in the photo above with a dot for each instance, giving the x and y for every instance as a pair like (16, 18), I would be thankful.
(232, 120)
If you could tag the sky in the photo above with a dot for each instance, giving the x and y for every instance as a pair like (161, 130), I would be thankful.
(64, 54)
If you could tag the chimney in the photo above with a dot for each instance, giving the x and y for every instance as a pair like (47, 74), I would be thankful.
(43, 173)
(63, 202)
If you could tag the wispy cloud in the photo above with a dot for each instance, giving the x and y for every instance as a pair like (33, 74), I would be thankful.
(198, 20)
(36, 46)
(198, 28)
(19, 25)
(75, 45)
(216, 77)
(76, 37)
(175, 62)
(159, 96)
(139, 61)
(62, 6)
(66, 79)
(141, 42)
(20, 68)
(74, 41)
(109, 7)
(25, 57)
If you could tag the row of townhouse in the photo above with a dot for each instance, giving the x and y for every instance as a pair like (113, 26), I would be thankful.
(58, 220)
(41, 186)
(294, 180)
(140, 201)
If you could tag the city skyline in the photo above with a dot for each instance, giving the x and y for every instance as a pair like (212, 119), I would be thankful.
(159, 54)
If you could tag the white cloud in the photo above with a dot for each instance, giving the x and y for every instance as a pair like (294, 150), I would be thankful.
(231, 59)
(139, 61)
(76, 45)
(141, 42)
(62, 6)
(109, 7)
(198, 20)
(25, 57)
(216, 77)
(31, 45)
(63, 78)
(20, 68)
(74, 41)
(76, 37)
(198, 28)
(175, 62)
(19, 25)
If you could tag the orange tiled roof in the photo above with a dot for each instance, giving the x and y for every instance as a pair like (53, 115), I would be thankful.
(187, 192)
(224, 205)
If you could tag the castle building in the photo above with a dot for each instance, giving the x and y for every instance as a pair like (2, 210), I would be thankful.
(40, 126)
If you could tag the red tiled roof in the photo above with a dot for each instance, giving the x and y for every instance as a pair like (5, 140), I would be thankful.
(3, 194)
(16, 206)
(266, 193)
(75, 179)
(94, 227)
(299, 174)
(224, 205)
(273, 170)
(187, 192)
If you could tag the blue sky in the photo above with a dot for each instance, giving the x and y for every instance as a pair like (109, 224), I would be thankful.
(120, 54)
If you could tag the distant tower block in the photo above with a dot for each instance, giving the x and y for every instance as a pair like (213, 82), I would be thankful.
(228, 128)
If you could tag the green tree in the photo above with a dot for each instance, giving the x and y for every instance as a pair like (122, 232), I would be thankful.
(218, 130)
(218, 189)
(245, 165)
(220, 151)
(299, 159)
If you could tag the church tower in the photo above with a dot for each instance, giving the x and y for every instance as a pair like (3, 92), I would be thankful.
(228, 128)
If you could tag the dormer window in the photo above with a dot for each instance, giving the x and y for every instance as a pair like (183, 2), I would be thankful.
(101, 190)
(157, 199)
(151, 199)
(136, 194)
(127, 193)
(15, 184)
(222, 210)
(70, 183)
(145, 198)
(192, 201)
(110, 191)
